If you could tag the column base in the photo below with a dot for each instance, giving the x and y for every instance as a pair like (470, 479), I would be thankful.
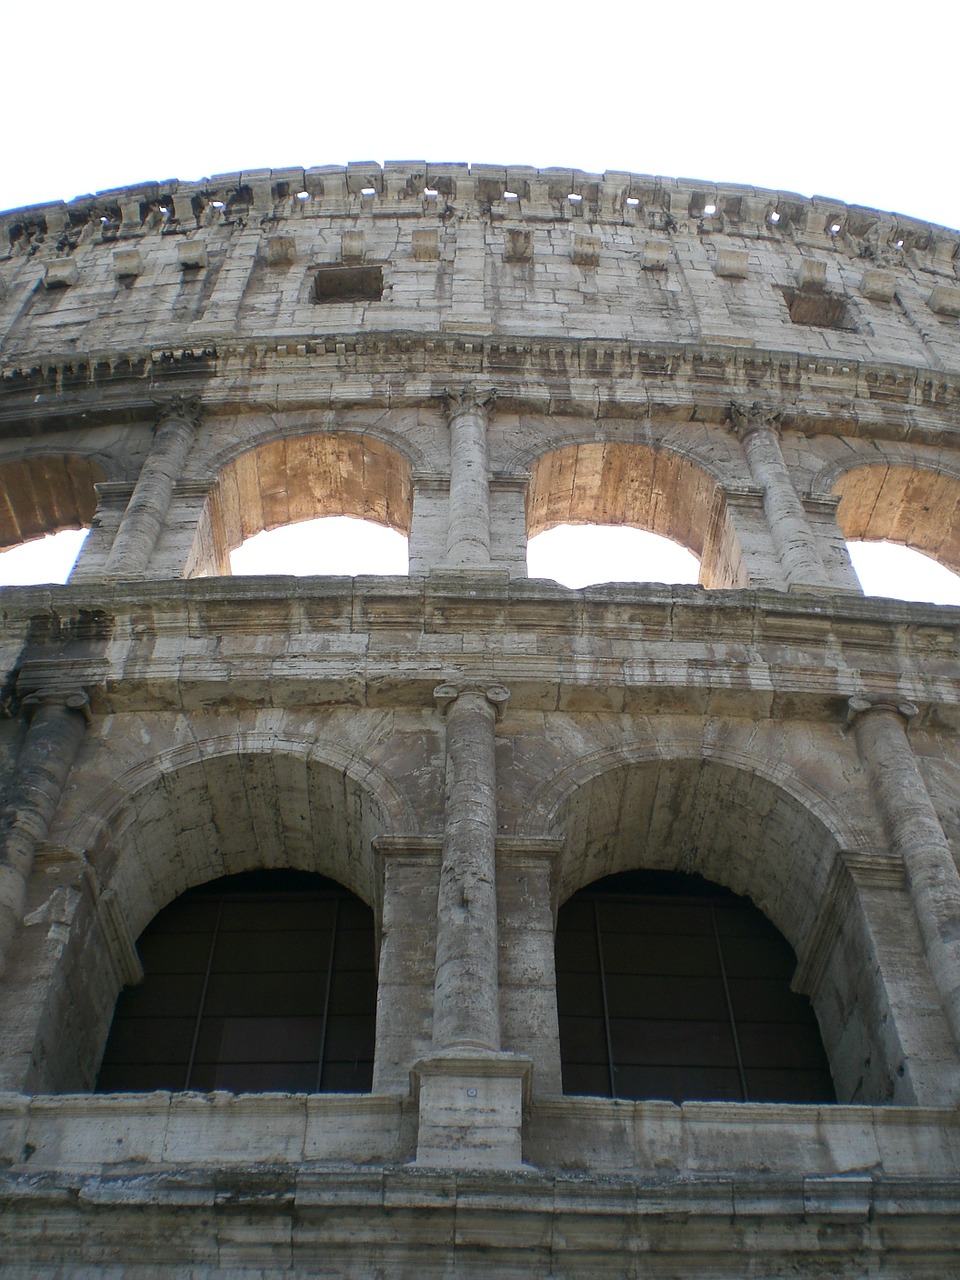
(471, 1109)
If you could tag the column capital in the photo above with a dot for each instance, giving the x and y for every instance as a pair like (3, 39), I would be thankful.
(70, 699)
(860, 705)
(746, 418)
(497, 695)
(178, 408)
(469, 400)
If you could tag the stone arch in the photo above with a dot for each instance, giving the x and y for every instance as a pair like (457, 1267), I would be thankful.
(746, 830)
(912, 501)
(294, 478)
(651, 487)
(609, 805)
(199, 812)
(235, 803)
(251, 435)
(43, 493)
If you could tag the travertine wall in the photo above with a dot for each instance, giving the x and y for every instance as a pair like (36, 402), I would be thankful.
(754, 375)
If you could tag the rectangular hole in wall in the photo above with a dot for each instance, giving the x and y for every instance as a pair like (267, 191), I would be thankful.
(348, 284)
(828, 310)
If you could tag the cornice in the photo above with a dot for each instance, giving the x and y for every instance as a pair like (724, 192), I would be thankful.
(682, 650)
(494, 192)
(585, 377)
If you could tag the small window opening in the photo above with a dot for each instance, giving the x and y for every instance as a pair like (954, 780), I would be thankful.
(339, 546)
(632, 201)
(510, 195)
(303, 195)
(218, 204)
(774, 216)
(709, 210)
(574, 197)
(671, 987)
(368, 191)
(43, 560)
(430, 193)
(348, 284)
(899, 573)
(834, 228)
(826, 310)
(588, 555)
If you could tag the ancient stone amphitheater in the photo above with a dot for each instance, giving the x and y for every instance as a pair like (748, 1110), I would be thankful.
(460, 924)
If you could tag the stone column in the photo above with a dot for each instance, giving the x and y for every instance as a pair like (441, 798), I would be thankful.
(147, 510)
(915, 835)
(466, 1001)
(468, 523)
(48, 752)
(790, 529)
(470, 1094)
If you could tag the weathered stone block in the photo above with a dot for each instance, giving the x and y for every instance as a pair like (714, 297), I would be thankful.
(280, 250)
(732, 262)
(878, 284)
(812, 276)
(127, 261)
(656, 255)
(945, 300)
(61, 274)
(352, 246)
(426, 245)
(192, 254)
(586, 251)
(518, 246)
(471, 1108)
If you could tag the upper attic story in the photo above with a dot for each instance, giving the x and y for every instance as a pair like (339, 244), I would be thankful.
(418, 248)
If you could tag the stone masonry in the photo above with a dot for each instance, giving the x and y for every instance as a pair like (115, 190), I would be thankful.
(471, 356)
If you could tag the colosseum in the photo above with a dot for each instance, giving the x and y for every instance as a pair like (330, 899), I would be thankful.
(457, 923)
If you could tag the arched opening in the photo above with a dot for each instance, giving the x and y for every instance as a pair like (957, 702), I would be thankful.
(301, 479)
(750, 836)
(637, 486)
(586, 555)
(228, 806)
(259, 982)
(334, 545)
(899, 573)
(47, 503)
(42, 560)
(670, 986)
(912, 506)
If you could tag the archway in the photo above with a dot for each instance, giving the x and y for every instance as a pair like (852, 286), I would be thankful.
(669, 986)
(654, 489)
(262, 981)
(218, 809)
(747, 833)
(917, 507)
(45, 501)
(304, 478)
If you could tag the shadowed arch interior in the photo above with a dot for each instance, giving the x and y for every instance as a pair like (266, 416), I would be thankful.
(669, 986)
(603, 482)
(263, 981)
(225, 814)
(238, 812)
(913, 506)
(740, 831)
(44, 494)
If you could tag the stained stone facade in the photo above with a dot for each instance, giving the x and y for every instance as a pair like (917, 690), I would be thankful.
(471, 356)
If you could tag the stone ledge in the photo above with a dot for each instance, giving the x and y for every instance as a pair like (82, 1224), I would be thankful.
(763, 1142)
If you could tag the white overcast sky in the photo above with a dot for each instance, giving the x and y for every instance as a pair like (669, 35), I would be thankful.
(829, 99)
(832, 99)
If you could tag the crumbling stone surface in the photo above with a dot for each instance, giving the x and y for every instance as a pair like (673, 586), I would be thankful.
(471, 356)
